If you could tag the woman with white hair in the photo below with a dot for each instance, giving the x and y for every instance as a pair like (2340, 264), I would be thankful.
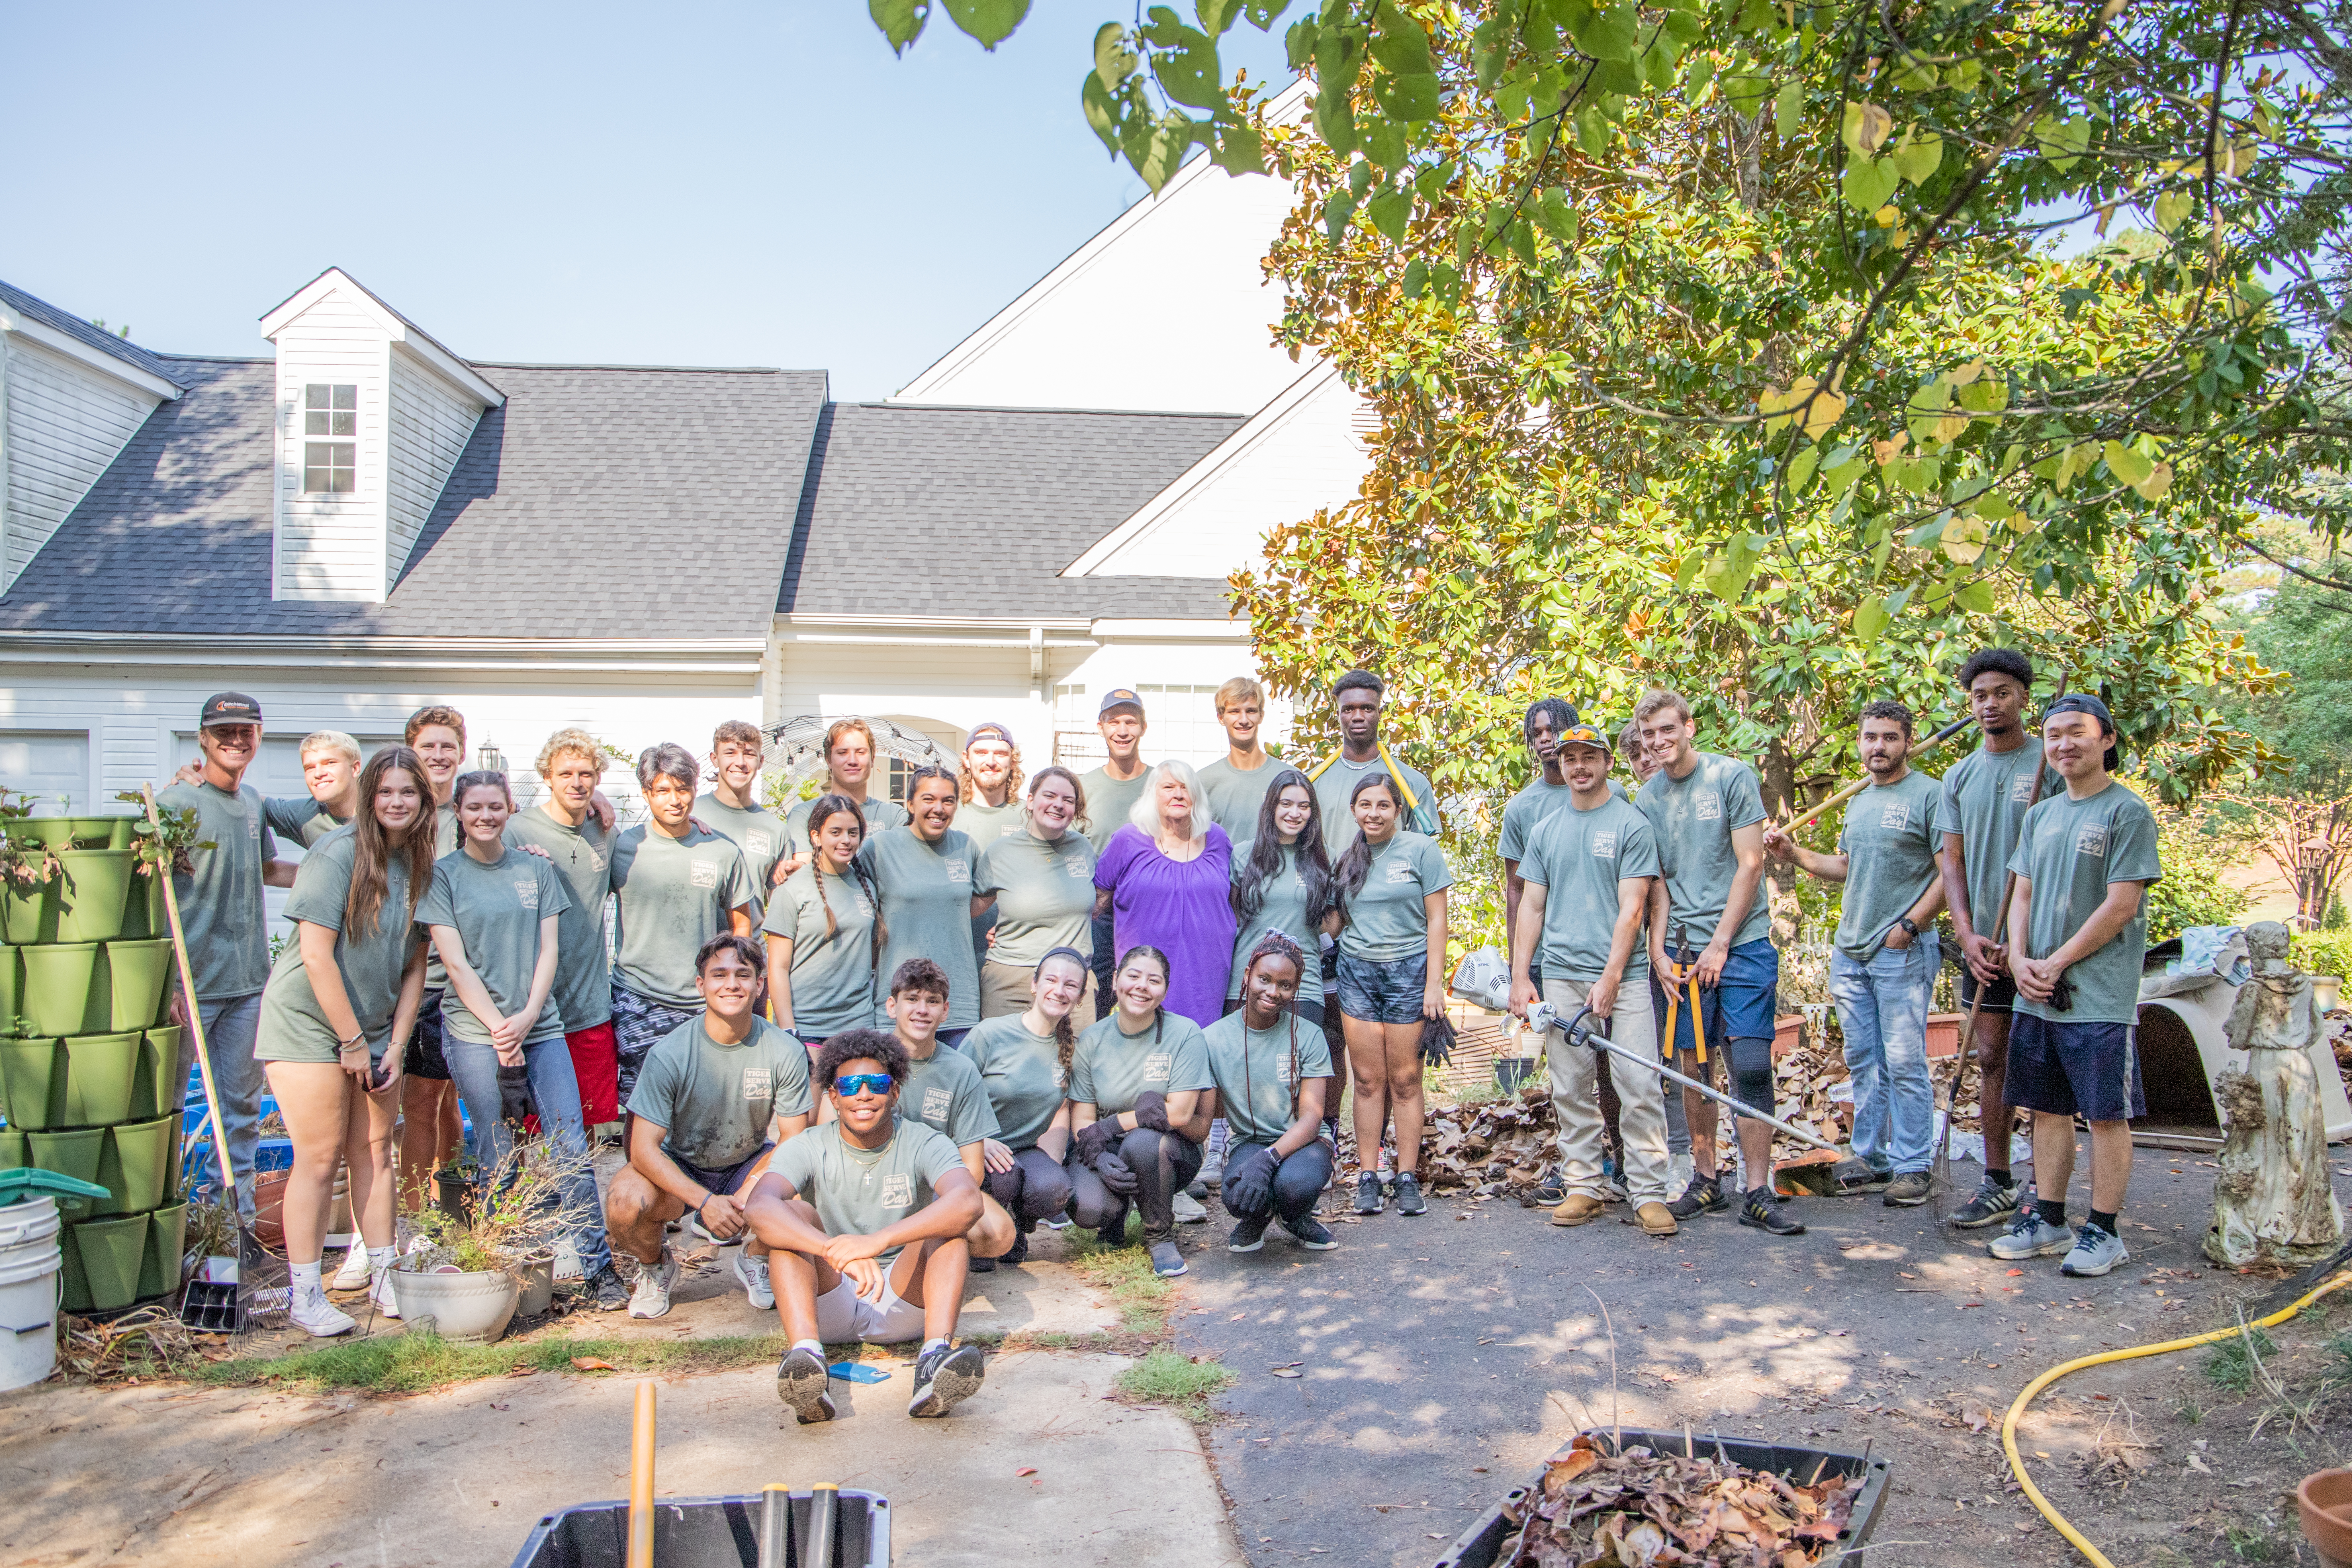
(1163, 879)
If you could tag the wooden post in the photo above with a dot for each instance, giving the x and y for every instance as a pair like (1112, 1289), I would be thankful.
(641, 1481)
(188, 1000)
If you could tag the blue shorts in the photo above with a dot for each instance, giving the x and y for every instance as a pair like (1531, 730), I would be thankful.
(1381, 993)
(2091, 1071)
(1742, 1006)
(725, 1180)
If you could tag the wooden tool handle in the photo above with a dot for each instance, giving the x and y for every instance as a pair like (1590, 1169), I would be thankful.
(1855, 788)
(641, 1481)
(188, 1000)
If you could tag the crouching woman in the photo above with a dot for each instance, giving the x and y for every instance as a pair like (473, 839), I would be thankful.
(864, 1218)
(1138, 1111)
(1271, 1078)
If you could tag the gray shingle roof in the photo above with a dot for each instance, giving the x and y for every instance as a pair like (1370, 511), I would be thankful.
(597, 503)
(985, 506)
(83, 333)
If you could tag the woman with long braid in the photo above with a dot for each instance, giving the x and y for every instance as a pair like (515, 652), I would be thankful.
(1025, 1064)
(1138, 1109)
(1273, 1078)
(824, 931)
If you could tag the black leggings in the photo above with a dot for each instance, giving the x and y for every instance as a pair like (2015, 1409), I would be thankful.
(1298, 1181)
(1163, 1163)
(1035, 1188)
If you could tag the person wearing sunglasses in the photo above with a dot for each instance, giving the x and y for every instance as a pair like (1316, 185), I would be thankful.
(864, 1220)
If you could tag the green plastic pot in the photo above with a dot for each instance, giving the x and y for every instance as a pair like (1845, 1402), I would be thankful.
(167, 1245)
(142, 913)
(32, 1084)
(96, 886)
(12, 989)
(101, 1072)
(28, 910)
(60, 988)
(101, 832)
(13, 1151)
(136, 975)
(72, 1154)
(137, 1159)
(113, 1253)
(161, 1083)
(43, 832)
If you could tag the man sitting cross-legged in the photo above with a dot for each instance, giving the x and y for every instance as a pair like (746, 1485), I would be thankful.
(864, 1217)
(715, 1096)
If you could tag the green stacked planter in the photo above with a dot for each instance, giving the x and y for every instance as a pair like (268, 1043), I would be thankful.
(88, 1066)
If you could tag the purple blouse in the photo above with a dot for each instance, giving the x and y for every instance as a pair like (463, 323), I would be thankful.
(1180, 907)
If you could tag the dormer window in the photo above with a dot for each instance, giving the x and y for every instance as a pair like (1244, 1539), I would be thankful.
(331, 466)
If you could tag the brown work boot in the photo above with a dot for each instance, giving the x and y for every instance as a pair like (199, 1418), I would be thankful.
(1656, 1219)
(1577, 1209)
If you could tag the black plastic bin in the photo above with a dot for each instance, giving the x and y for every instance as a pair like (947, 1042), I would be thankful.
(1478, 1545)
(705, 1532)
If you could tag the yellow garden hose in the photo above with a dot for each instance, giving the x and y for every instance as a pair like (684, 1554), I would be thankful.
(2009, 1423)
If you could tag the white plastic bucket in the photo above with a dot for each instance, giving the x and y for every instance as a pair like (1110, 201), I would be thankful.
(30, 1267)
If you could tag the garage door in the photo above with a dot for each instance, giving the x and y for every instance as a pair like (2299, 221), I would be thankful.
(53, 766)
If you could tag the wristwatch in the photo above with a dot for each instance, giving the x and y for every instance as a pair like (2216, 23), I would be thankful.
(1910, 927)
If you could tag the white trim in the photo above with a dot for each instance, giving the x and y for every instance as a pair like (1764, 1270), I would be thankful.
(1034, 645)
(714, 657)
(81, 354)
(981, 623)
(397, 327)
(1234, 630)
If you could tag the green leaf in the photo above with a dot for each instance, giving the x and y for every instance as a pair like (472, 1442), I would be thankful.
(1868, 183)
(1976, 594)
(1340, 56)
(1965, 74)
(1262, 12)
(1407, 97)
(901, 21)
(1592, 130)
(1918, 158)
(1612, 33)
(1336, 210)
(1216, 16)
(1788, 110)
(1870, 618)
(1298, 44)
(1746, 91)
(1416, 278)
(1102, 113)
(989, 21)
(1916, 75)
(2062, 142)
(1389, 213)
(1987, 394)
(1490, 49)
(2171, 208)
(1558, 219)
(1384, 143)
(1402, 47)
(1239, 150)
(1521, 237)
(1335, 119)
(1170, 139)
(1113, 55)
(1800, 469)
(2128, 464)
(1186, 67)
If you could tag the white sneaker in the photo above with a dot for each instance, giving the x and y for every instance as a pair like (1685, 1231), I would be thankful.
(1679, 1172)
(380, 1292)
(1188, 1211)
(651, 1298)
(354, 1274)
(567, 1259)
(753, 1272)
(317, 1316)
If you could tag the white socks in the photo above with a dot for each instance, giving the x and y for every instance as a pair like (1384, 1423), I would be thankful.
(813, 1347)
(306, 1278)
(379, 1258)
(930, 1345)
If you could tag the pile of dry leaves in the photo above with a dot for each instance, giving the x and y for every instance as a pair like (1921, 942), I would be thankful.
(1648, 1509)
(1492, 1146)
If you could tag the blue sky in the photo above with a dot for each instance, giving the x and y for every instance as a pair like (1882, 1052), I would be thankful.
(714, 185)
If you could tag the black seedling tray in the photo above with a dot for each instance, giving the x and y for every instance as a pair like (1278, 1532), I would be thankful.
(706, 1532)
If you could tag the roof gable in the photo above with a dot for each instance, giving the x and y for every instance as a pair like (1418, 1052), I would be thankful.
(69, 333)
(397, 329)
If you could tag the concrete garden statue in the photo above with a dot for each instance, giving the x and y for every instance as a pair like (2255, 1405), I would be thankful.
(2273, 1202)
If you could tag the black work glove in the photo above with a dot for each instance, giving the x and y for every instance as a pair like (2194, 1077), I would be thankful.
(1152, 1111)
(1116, 1173)
(1437, 1041)
(1249, 1187)
(1093, 1139)
(515, 1100)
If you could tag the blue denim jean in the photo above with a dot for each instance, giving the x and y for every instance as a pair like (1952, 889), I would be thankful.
(1882, 1008)
(475, 1069)
(231, 1026)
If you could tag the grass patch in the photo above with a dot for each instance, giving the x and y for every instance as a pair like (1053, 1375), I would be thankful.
(412, 1362)
(1164, 1378)
(1124, 1274)
(2229, 1366)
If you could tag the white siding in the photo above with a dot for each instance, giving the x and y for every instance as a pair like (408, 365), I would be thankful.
(64, 424)
(430, 426)
(332, 547)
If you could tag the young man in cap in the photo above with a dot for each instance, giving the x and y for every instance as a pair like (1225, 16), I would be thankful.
(221, 914)
(988, 785)
(732, 807)
(1707, 811)
(1985, 799)
(1111, 792)
(1588, 875)
(1884, 959)
(2078, 924)
(1235, 784)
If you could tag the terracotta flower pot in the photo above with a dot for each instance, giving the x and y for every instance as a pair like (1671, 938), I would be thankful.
(1943, 1032)
(269, 1209)
(2324, 1501)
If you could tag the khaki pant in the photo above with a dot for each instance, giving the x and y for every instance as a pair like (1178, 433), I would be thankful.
(1576, 1095)
(1004, 991)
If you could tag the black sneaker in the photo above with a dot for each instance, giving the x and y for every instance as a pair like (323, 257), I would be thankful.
(1909, 1190)
(1704, 1196)
(1859, 1176)
(1308, 1232)
(1019, 1253)
(1992, 1204)
(1167, 1261)
(1370, 1197)
(1407, 1195)
(605, 1290)
(1549, 1192)
(945, 1378)
(1248, 1236)
(801, 1379)
(1765, 1211)
(1113, 1235)
(1198, 1192)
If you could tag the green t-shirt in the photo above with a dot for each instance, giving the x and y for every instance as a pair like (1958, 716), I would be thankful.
(293, 1026)
(943, 1092)
(1236, 797)
(1108, 800)
(832, 972)
(670, 896)
(1889, 839)
(1110, 1066)
(301, 818)
(756, 830)
(583, 856)
(1283, 908)
(1045, 894)
(1526, 811)
(880, 815)
(1985, 798)
(1386, 918)
(221, 912)
(714, 1102)
(1581, 858)
(927, 892)
(1694, 818)
(984, 823)
(448, 834)
(1022, 1073)
(496, 910)
(1335, 783)
(2071, 849)
(1257, 1071)
(858, 1192)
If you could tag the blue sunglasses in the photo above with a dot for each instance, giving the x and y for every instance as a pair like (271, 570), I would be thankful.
(855, 1083)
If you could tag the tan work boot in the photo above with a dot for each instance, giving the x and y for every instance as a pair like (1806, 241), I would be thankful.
(1577, 1209)
(1656, 1219)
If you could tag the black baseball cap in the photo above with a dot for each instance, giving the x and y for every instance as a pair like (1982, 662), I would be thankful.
(1118, 697)
(2084, 702)
(991, 728)
(229, 707)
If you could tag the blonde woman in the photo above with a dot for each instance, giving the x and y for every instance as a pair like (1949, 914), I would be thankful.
(1039, 885)
(1163, 879)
